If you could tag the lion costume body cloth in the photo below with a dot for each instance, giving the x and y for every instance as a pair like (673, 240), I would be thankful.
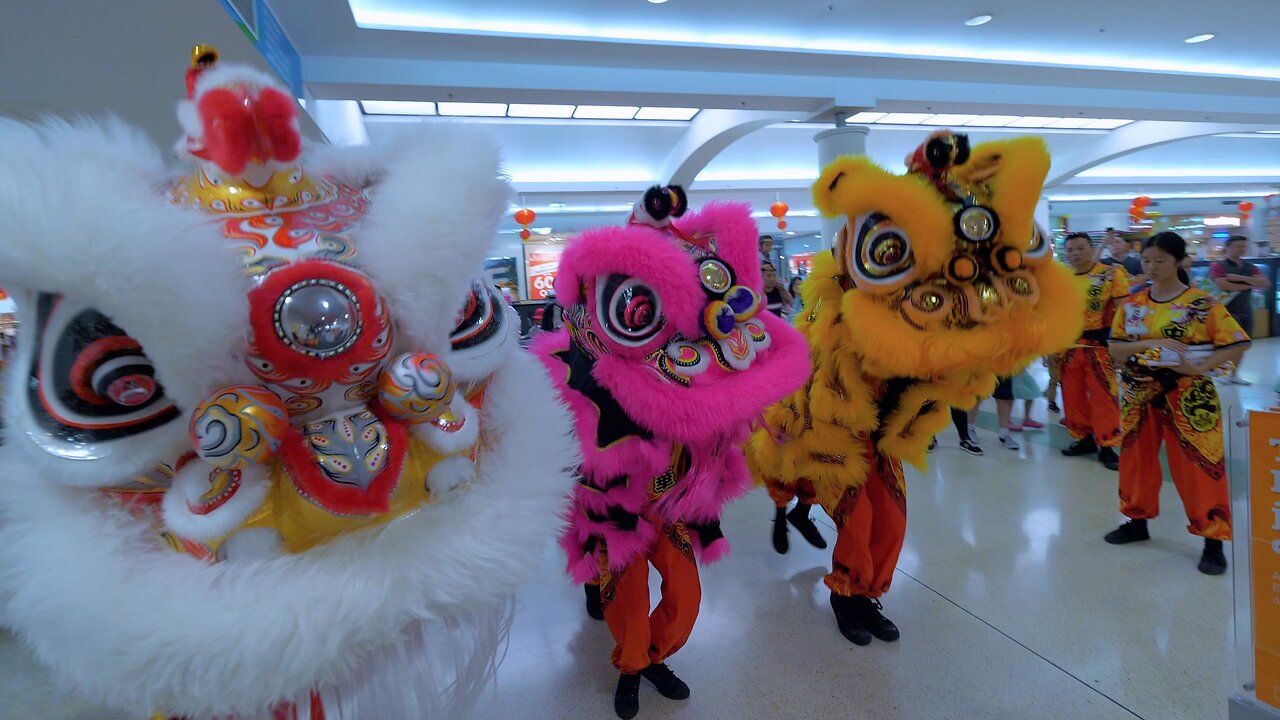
(939, 282)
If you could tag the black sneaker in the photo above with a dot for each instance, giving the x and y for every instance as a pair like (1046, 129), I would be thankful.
(970, 447)
(780, 542)
(933, 445)
(881, 627)
(1213, 561)
(849, 620)
(1083, 446)
(799, 517)
(668, 685)
(1131, 531)
(626, 699)
(595, 608)
(1053, 407)
(1108, 457)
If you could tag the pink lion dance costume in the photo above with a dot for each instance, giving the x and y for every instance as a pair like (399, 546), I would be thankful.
(269, 452)
(665, 361)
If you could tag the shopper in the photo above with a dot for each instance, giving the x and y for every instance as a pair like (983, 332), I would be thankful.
(1052, 363)
(1237, 277)
(766, 248)
(1027, 390)
(963, 420)
(1169, 337)
(1089, 390)
(778, 300)
(1004, 412)
(797, 303)
(1121, 254)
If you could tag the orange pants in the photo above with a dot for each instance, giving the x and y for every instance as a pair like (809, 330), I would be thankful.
(643, 638)
(1195, 461)
(871, 522)
(1090, 396)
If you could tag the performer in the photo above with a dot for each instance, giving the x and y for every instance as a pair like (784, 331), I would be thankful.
(268, 449)
(1170, 337)
(667, 357)
(939, 281)
(1090, 396)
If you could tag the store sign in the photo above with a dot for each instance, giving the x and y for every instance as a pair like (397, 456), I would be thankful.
(542, 267)
(259, 24)
(1264, 551)
(1222, 221)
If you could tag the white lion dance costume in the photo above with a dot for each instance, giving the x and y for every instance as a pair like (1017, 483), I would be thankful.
(269, 451)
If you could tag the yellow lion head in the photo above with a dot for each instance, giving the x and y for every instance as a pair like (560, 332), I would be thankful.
(945, 272)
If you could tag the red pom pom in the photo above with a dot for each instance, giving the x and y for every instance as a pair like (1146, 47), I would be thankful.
(278, 139)
(240, 128)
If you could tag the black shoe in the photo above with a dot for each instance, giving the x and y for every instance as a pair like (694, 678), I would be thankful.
(799, 517)
(881, 627)
(970, 447)
(595, 608)
(849, 620)
(1132, 531)
(1108, 457)
(780, 531)
(668, 685)
(1213, 561)
(626, 699)
(933, 445)
(1083, 446)
(1053, 407)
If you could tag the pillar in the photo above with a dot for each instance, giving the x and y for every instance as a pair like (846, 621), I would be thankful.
(839, 140)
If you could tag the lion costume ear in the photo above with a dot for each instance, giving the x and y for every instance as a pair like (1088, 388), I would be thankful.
(1014, 170)
(855, 187)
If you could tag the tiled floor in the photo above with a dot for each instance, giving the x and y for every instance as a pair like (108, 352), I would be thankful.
(1010, 605)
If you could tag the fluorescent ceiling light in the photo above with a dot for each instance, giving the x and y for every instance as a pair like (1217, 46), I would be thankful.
(397, 107)
(1071, 123)
(951, 120)
(566, 209)
(992, 120)
(904, 118)
(582, 175)
(657, 2)
(473, 109)
(757, 174)
(1107, 124)
(1158, 196)
(1124, 172)
(977, 20)
(605, 112)
(371, 15)
(666, 113)
(539, 111)
(1194, 39)
(1270, 132)
(866, 117)
(1031, 121)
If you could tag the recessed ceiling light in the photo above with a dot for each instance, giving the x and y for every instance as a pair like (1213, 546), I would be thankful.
(1071, 123)
(1031, 122)
(473, 109)
(974, 21)
(949, 120)
(605, 112)
(397, 107)
(539, 111)
(666, 113)
(992, 120)
(657, 2)
(905, 118)
(1199, 38)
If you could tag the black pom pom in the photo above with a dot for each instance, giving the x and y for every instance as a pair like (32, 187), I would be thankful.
(657, 202)
(962, 149)
(681, 203)
(938, 152)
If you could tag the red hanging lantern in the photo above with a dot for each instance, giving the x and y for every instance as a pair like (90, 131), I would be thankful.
(1246, 207)
(779, 210)
(525, 216)
(525, 234)
(1142, 201)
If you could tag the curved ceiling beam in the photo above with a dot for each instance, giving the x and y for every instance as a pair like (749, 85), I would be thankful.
(1129, 139)
(710, 132)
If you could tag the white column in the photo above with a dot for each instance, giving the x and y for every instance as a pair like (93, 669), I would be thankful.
(846, 140)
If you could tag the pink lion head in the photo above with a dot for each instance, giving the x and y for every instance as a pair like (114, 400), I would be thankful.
(669, 317)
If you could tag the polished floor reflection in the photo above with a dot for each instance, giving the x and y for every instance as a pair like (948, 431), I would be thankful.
(1010, 605)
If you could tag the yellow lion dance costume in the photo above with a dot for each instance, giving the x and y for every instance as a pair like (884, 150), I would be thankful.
(939, 282)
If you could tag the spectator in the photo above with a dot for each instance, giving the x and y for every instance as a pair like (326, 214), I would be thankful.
(797, 304)
(776, 295)
(1237, 278)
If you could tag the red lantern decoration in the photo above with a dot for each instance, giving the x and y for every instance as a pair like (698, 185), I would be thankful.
(525, 216)
(779, 210)
(782, 224)
(1246, 207)
(1142, 201)
(525, 234)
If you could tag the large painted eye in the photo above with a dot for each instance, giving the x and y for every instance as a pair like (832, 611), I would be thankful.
(882, 251)
(1038, 247)
(629, 311)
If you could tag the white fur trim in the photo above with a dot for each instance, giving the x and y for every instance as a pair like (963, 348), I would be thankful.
(477, 363)
(82, 213)
(136, 627)
(450, 474)
(436, 200)
(192, 482)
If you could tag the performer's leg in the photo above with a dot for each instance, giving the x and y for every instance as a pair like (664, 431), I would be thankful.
(1198, 468)
(887, 493)
(672, 621)
(626, 612)
(781, 495)
(1104, 399)
(1075, 402)
(1140, 473)
(851, 564)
